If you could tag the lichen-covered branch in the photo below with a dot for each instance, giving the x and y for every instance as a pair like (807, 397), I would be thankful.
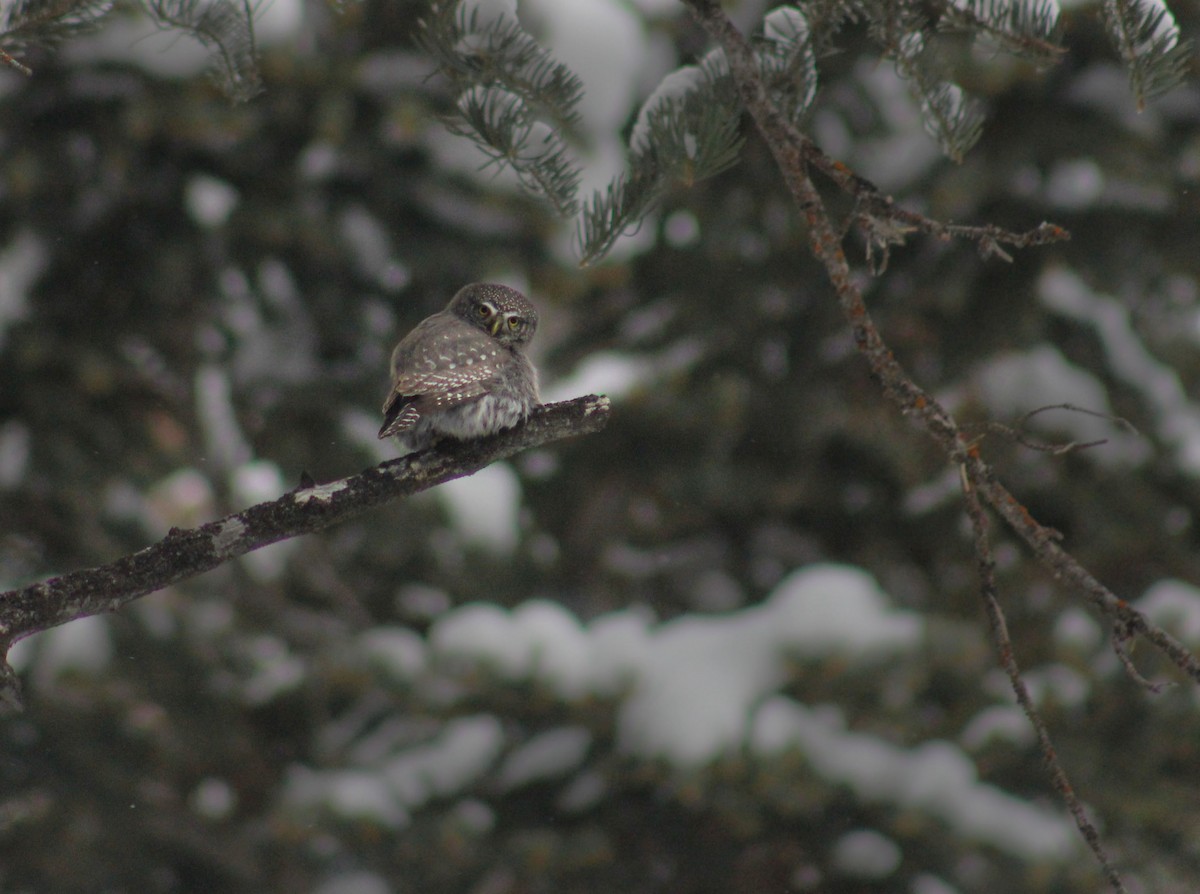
(183, 554)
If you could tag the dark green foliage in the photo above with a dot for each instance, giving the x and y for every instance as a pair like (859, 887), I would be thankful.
(35, 22)
(1025, 29)
(754, 443)
(514, 101)
(690, 134)
(226, 28)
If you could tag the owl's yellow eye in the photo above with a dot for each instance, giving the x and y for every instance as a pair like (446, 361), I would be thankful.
(483, 311)
(513, 322)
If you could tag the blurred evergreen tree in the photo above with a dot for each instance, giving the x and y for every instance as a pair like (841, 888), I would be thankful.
(196, 303)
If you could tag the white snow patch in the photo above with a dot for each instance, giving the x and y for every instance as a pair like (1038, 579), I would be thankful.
(21, 263)
(1075, 184)
(354, 882)
(1018, 382)
(904, 152)
(274, 670)
(226, 447)
(552, 754)
(213, 798)
(279, 22)
(1076, 629)
(15, 446)
(357, 795)
(209, 201)
(1177, 417)
(175, 53)
(395, 651)
(487, 12)
(1168, 28)
(137, 40)
(935, 778)
(1174, 605)
(693, 689)
(606, 372)
(539, 640)
(618, 375)
(1065, 685)
(1002, 723)
(659, 8)
(485, 508)
(256, 482)
(673, 88)
(694, 680)
(367, 242)
(464, 749)
(604, 43)
(926, 883)
(681, 229)
(866, 854)
(83, 646)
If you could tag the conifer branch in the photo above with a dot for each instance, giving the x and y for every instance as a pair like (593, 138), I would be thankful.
(1147, 38)
(949, 115)
(225, 28)
(515, 101)
(26, 23)
(788, 61)
(1024, 28)
(688, 130)
(502, 126)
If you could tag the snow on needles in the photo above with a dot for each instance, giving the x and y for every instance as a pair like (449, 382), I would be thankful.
(701, 676)
(692, 690)
(936, 778)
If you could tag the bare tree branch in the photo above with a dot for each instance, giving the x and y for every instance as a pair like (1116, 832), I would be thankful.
(794, 153)
(183, 554)
(1008, 660)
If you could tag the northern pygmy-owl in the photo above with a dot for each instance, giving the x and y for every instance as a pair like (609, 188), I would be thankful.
(463, 373)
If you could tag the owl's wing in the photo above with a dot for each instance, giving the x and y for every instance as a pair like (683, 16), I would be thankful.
(414, 394)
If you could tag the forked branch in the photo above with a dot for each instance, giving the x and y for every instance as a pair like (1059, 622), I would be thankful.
(795, 156)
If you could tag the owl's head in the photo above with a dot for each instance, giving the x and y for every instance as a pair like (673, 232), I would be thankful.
(503, 313)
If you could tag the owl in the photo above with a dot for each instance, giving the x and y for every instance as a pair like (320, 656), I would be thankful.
(463, 372)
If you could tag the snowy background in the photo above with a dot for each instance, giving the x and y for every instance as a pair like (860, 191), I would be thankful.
(732, 643)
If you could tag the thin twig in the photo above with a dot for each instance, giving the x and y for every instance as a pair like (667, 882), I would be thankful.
(10, 62)
(1121, 636)
(1013, 432)
(999, 630)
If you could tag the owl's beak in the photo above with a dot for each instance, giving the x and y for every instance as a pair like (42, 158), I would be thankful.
(497, 322)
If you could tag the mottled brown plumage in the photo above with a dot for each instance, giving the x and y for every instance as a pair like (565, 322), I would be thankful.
(463, 373)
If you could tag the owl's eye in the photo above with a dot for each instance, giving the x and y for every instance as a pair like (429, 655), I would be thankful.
(513, 322)
(483, 311)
